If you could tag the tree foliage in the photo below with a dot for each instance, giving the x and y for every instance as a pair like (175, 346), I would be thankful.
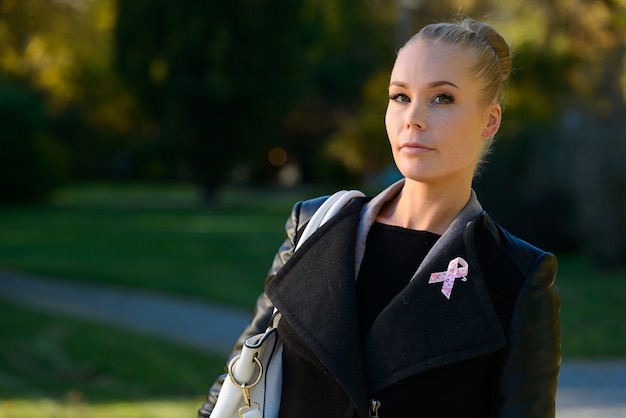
(60, 51)
(223, 82)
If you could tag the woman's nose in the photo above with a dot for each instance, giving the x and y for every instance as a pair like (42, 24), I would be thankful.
(417, 115)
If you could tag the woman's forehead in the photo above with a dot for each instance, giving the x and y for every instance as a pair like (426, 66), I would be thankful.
(421, 61)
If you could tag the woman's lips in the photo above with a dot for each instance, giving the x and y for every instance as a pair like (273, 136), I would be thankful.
(414, 148)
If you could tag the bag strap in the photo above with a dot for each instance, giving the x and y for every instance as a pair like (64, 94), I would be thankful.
(326, 211)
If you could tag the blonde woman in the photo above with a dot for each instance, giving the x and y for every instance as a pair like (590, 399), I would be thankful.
(415, 302)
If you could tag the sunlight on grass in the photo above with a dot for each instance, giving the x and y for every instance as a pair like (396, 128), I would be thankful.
(45, 408)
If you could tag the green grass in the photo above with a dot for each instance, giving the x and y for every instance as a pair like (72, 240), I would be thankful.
(150, 238)
(55, 366)
(593, 312)
(50, 408)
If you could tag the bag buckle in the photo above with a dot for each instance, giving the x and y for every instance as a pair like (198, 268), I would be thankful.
(251, 409)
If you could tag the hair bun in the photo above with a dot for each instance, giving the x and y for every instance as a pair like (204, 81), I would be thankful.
(495, 41)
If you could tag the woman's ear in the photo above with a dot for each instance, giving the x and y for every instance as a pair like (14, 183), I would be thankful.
(493, 121)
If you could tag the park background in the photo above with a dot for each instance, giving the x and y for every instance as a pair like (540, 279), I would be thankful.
(159, 145)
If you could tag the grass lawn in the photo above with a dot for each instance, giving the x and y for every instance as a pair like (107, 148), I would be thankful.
(55, 366)
(150, 238)
(160, 238)
(49, 408)
(593, 312)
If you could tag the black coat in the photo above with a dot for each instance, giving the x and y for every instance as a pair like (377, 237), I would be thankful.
(491, 350)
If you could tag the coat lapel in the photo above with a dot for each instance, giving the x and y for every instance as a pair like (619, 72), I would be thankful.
(315, 292)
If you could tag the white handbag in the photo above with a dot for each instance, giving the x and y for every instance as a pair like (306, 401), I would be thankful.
(254, 383)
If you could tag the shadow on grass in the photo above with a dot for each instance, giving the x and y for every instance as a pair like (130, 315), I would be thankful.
(68, 361)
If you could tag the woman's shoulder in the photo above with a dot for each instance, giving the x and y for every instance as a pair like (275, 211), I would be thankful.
(306, 208)
(513, 269)
(519, 252)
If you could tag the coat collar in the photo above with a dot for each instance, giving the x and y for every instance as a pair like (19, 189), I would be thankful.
(370, 210)
(419, 330)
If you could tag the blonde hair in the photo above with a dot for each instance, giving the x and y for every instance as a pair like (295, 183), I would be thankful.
(493, 60)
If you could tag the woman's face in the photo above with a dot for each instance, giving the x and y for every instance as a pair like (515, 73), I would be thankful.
(434, 120)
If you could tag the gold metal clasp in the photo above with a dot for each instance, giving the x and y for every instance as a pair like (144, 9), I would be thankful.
(251, 409)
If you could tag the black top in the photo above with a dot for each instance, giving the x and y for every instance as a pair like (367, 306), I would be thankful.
(392, 256)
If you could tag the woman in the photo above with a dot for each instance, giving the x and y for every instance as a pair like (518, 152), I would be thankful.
(414, 302)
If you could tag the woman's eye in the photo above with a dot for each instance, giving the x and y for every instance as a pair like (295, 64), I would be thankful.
(443, 99)
(400, 98)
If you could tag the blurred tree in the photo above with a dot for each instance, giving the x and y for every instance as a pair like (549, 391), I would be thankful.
(578, 88)
(230, 80)
(213, 77)
(62, 49)
(31, 162)
(338, 127)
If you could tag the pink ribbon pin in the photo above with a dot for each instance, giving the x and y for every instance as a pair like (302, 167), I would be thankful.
(457, 269)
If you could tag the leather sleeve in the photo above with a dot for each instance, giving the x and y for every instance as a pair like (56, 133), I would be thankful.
(301, 213)
(532, 360)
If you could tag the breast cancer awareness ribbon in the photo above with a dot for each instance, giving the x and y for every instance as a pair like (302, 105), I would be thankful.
(457, 269)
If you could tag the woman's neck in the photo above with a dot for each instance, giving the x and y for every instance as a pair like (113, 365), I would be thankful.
(423, 207)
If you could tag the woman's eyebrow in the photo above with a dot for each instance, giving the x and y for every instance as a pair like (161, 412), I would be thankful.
(432, 84)
(398, 83)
